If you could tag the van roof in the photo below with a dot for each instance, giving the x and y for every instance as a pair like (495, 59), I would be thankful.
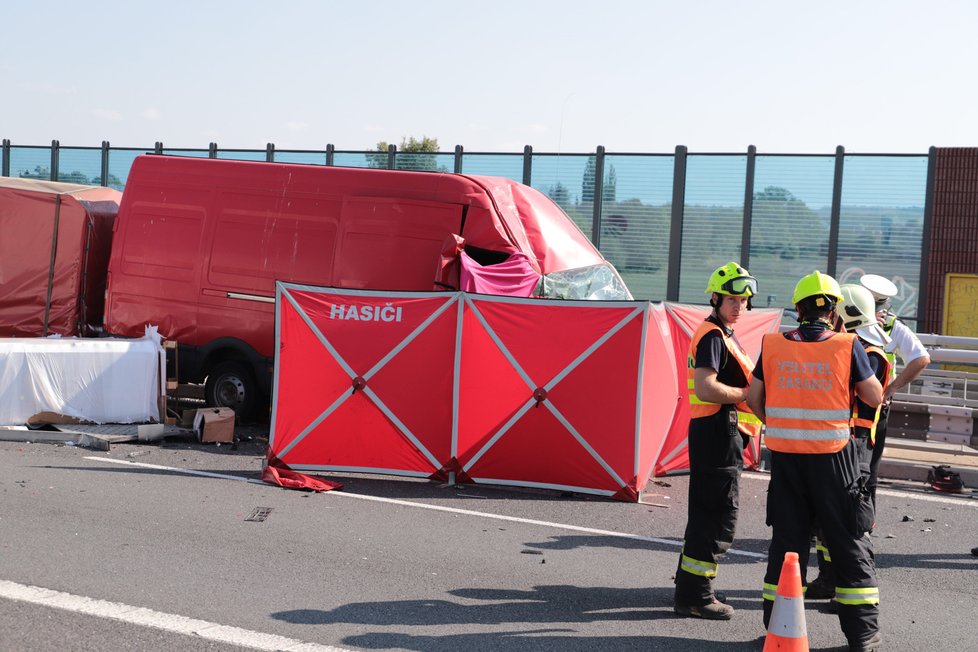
(512, 214)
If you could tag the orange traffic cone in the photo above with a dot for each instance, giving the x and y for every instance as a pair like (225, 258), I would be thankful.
(786, 630)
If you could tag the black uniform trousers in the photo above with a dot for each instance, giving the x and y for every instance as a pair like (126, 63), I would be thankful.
(874, 464)
(827, 490)
(716, 459)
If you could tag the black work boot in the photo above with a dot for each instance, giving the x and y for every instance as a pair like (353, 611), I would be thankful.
(868, 645)
(819, 589)
(715, 610)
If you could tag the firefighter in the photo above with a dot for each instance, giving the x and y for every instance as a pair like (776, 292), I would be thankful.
(904, 345)
(858, 314)
(718, 373)
(803, 387)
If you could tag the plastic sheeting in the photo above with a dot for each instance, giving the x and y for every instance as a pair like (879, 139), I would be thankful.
(99, 380)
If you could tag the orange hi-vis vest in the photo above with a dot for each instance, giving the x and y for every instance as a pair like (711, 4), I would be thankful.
(747, 421)
(864, 416)
(808, 402)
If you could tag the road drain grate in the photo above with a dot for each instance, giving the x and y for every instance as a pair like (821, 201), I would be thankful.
(260, 514)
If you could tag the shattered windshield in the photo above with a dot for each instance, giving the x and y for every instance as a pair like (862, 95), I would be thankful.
(596, 282)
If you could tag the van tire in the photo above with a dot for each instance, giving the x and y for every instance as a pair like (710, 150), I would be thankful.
(231, 384)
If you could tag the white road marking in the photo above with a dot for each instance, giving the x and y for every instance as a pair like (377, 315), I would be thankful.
(896, 493)
(514, 519)
(157, 619)
(440, 508)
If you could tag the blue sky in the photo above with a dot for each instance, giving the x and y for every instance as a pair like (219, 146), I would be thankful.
(642, 76)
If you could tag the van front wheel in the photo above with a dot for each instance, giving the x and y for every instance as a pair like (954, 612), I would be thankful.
(231, 384)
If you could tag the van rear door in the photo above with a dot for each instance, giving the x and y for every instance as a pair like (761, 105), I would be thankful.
(154, 274)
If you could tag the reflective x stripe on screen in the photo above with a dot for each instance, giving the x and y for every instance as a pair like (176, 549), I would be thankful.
(352, 374)
(548, 386)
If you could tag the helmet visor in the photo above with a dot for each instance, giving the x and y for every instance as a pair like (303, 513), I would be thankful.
(740, 285)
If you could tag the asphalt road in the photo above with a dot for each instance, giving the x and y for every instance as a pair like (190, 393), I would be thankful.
(121, 550)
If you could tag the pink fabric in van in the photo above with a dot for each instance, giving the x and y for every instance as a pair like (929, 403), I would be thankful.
(513, 277)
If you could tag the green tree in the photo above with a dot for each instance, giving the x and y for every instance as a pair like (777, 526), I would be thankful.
(413, 154)
(783, 225)
(561, 196)
(635, 236)
(114, 182)
(38, 173)
(74, 177)
(609, 188)
(587, 183)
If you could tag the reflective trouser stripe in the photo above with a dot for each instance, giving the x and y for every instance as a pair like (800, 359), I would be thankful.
(770, 591)
(820, 547)
(868, 595)
(697, 567)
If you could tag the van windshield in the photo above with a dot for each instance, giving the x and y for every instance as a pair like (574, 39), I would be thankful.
(595, 282)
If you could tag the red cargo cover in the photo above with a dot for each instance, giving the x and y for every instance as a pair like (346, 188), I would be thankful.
(54, 253)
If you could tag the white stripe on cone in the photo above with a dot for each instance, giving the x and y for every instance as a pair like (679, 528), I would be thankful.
(788, 618)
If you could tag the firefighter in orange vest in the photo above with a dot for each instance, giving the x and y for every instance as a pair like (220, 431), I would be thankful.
(718, 372)
(803, 389)
(858, 313)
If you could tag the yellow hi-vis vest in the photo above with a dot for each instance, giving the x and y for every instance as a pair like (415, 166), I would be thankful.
(864, 416)
(808, 402)
(747, 421)
(891, 356)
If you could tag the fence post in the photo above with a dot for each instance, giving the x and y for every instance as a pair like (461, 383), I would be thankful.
(748, 207)
(5, 159)
(55, 156)
(391, 156)
(330, 151)
(158, 147)
(212, 150)
(270, 152)
(834, 219)
(598, 197)
(105, 163)
(527, 165)
(925, 244)
(676, 222)
(458, 159)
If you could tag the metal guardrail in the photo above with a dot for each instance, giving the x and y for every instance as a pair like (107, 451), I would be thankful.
(941, 404)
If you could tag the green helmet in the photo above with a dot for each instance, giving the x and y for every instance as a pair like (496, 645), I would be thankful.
(817, 284)
(732, 279)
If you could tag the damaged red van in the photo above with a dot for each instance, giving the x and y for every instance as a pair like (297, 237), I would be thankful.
(199, 244)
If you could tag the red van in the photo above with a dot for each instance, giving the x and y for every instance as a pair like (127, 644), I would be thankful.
(199, 244)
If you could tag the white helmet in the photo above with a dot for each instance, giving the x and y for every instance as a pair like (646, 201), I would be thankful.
(881, 287)
(858, 312)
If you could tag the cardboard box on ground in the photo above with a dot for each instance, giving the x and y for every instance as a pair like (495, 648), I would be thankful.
(213, 425)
